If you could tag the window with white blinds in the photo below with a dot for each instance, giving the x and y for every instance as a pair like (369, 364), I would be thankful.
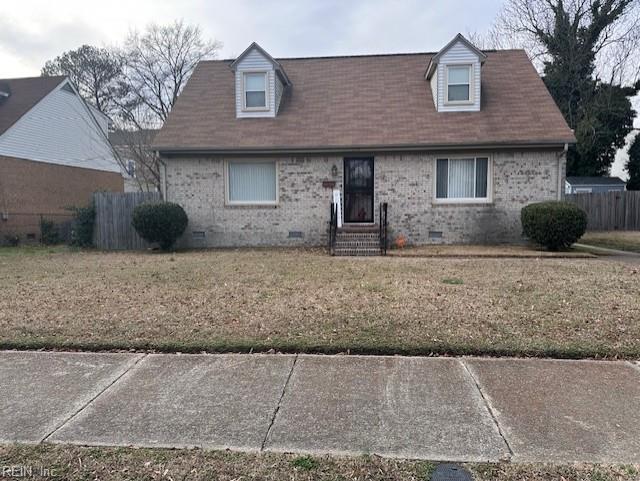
(462, 179)
(252, 182)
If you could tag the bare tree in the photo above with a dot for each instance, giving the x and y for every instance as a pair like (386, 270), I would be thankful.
(94, 71)
(136, 158)
(157, 65)
(589, 53)
(137, 86)
(611, 26)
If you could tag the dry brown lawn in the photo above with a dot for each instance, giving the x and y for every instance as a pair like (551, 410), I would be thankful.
(122, 464)
(491, 251)
(304, 300)
(623, 240)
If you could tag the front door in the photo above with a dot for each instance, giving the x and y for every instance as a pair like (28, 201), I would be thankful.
(358, 189)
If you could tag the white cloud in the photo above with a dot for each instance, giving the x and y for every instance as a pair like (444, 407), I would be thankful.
(34, 31)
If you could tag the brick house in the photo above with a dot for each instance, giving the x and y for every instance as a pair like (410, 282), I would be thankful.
(54, 153)
(455, 143)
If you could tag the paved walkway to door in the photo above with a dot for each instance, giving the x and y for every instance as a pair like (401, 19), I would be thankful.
(459, 409)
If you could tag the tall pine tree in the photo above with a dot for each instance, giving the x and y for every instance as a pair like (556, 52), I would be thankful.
(570, 34)
(600, 113)
(633, 164)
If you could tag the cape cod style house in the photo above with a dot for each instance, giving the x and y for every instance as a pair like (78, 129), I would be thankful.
(451, 145)
(54, 154)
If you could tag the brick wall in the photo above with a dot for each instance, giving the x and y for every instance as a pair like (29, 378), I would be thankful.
(30, 189)
(405, 181)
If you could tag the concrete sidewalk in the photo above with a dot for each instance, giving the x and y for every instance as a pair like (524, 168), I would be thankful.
(457, 409)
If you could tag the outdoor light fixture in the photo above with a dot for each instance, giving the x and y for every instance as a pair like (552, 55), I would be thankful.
(334, 171)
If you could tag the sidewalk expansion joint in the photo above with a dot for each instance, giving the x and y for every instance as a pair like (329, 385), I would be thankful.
(275, 412)
(102, 391)
(489, 408)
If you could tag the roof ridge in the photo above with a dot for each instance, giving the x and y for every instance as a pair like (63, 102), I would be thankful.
(397, 54)
(34, 77)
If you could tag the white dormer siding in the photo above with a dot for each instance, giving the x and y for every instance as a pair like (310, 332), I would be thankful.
(255, 61)
(279, 92)
(434, 88)
(248, 67)
(459, 52)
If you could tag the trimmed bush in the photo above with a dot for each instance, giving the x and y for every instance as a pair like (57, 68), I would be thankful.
(84, 219)
(555, 225)
(49, 234)
(161, 222)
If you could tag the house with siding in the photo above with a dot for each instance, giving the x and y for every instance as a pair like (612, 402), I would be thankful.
(54, 153)
(593, 185)
(449, 146)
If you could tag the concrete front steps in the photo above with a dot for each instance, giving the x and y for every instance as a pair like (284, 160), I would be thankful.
(357, 241)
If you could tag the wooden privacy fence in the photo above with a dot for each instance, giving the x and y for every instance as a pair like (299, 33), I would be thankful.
(114, 212)
(610, 210)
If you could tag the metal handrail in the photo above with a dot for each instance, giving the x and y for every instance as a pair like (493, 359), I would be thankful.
(333, 227)
(383, 211)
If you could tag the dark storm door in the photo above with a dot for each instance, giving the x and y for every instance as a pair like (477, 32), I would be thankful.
(358, 189)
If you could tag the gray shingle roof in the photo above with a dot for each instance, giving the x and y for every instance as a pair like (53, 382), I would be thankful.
(595, 181)
(24, 94)
(365, 102)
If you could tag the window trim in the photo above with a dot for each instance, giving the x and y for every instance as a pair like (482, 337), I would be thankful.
(464, 200)
(471, 84)
(248, 203)
(267, 82)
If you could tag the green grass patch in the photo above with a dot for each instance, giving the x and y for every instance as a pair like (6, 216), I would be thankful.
(306, 463)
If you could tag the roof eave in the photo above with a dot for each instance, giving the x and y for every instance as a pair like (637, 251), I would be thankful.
(430, 69)
(283, 77)
(529, 145)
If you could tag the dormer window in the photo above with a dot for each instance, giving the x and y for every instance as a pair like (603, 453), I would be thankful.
(454, 75)
(458, 84)
(255, 90)
(260, 84)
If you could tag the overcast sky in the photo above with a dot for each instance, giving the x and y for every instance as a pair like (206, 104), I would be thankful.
(34, 31)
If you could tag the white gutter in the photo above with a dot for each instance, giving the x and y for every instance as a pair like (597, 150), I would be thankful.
(561, 157)
(163, 188)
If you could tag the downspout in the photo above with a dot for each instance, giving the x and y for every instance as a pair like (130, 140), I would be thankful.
(561, 157)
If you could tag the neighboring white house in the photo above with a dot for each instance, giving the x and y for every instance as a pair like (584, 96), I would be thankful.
(58, 128)
(54, 153)
(593, 185)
